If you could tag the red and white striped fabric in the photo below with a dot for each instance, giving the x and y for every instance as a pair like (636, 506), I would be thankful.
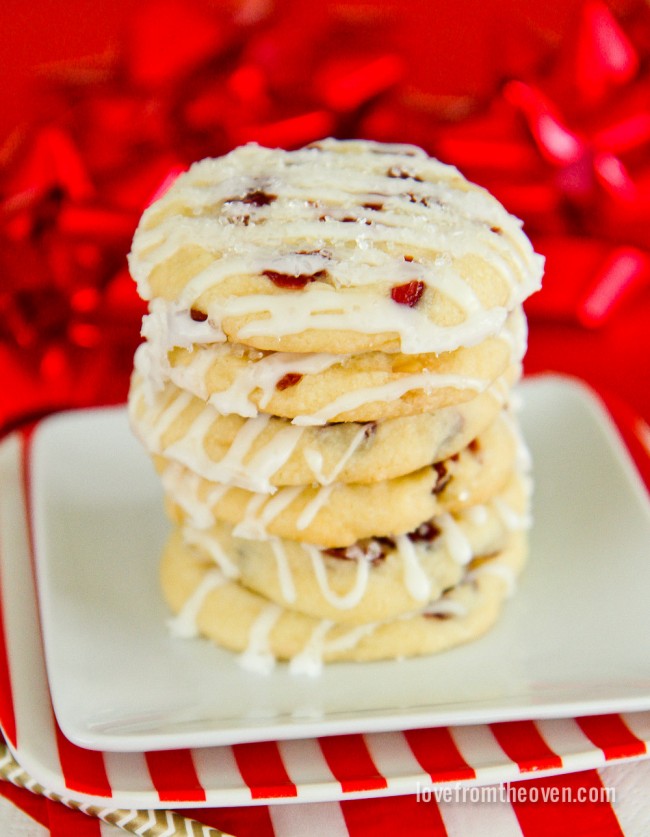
(627, 816)
(339, 767)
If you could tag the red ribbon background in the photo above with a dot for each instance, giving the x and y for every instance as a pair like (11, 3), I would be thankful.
(549, 108)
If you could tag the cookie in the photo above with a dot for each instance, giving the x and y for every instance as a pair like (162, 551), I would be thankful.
(313, 389)
(340, 247)
(265, 452)
(339, 514)
(209, 604)
(374, 579)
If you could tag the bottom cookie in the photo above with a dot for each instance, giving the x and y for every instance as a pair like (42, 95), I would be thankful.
(207, 603)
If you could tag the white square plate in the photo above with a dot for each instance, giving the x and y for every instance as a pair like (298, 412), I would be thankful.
(572, 641)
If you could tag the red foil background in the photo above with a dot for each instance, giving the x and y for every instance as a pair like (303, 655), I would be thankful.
(547, 105)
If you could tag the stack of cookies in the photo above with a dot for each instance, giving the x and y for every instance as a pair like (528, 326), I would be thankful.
(325, 390)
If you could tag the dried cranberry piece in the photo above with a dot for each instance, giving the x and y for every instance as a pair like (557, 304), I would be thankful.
(409, 293)
(443, 477)
(373, 550)
(259, 198)
(437, 615)
(425, 533)
(289, 380)
(198, 316)
(255, 198)
(294, 283)
(338, 552)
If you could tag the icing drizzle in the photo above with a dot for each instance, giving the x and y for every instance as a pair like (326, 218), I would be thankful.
(428, 210)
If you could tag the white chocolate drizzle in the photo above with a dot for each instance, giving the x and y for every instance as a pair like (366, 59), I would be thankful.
(426, 209)
(391, 391)
(230, 469)
(207, 542)
(314, 459)
(350, 638)
(322, 308)
(183, 486)
(165, 420)
(498, 569)
(312, 508)
(456, 541)
(285, 578)
(415, 579)
(514, 521)
(257, 655)
(251, 525)
(355, 593)
(190, 448)
(255, 522)
(309, 660)
(273, 456)
(184, 624)
(264, 375)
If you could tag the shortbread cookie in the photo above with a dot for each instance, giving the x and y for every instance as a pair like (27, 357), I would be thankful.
(340, 514)
(375, 579)
(208, 603)
(262, 453)
(340, 247)
(313, 389)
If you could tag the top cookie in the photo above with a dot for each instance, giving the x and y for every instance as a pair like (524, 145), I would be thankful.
(342, 246)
